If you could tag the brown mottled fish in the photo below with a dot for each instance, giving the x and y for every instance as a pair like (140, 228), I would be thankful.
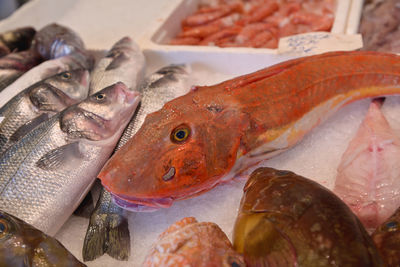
(23, 245)
(287, 220)
(387, 239)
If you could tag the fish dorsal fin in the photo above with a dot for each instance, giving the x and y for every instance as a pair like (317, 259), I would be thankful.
(62, 156)
(29, 126)
(117, 61)
(267, 245)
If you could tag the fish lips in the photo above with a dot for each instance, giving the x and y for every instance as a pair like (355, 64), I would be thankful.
(141, 204)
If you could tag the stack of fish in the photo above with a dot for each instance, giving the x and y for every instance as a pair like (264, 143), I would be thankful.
(60, 123)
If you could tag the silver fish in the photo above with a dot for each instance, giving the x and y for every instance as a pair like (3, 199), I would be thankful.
(23, 245)
(63, 50)
(54, 41)
(13, 65)
(124, 62)
(108, 228)
(39, 102)
(45, 175)
(15, 40)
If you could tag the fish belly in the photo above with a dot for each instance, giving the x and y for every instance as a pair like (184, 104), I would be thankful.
(367, 178)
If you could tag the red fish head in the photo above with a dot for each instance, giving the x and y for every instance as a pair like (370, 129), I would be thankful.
(180, 151)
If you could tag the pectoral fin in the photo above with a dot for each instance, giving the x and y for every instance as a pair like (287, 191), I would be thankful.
(267, 245)
(117, 61)
(61, 157)
(29, 126)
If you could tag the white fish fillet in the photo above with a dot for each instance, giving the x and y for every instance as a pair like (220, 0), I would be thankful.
(368, 178)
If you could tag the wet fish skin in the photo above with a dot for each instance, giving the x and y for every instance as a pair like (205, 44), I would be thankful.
(55, 41)
(45, 175)
(15, 40)
(288, 220)
(367, 176)
(13, 65)
(387, 239)
(39, 102)
(160, 87)
(262, 124)
(43, 71)
(124, 62)
(23, 245)
(190, 243)
(108, 228)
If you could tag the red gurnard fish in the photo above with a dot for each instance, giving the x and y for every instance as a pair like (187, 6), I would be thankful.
(213, 133)
(368, 175)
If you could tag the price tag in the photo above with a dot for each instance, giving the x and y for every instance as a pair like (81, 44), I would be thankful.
(318, 42)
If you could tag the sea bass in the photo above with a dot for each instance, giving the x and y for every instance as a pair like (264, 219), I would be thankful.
(39, 102)
(287, 220)
(23, 245)
(124, 62)
(16, 40)
(45, 175)
(368, 176)
(54, 41)
(387, 239)
(70, 54)
(108, 228)
(190, 243)
(14, 65)
(213, 133)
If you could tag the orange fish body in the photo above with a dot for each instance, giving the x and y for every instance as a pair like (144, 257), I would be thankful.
(214, 132)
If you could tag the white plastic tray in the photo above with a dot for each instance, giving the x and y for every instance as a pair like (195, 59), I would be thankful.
(233, 59)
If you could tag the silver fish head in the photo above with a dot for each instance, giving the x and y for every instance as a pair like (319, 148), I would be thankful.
(20, 244)
(60, 91)
(102, 114)
(120, 53)
(55, 41)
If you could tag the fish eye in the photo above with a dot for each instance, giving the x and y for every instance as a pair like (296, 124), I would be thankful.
(180, 134)
(100, 97)
(392, 226)
(3, 227)
(66, 75)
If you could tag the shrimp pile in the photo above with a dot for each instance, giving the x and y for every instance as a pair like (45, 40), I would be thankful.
(253, 23)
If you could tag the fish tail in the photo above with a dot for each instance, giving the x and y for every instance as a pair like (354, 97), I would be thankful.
(119, 242)
(108, 231)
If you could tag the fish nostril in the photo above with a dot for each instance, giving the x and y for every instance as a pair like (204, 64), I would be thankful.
(169, 175)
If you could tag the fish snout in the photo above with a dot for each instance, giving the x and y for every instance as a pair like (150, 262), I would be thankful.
(125, 95)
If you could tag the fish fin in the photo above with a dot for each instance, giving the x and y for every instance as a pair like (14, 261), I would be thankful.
(117, 61)
(60, 157)
(107, 232)
(267, 245)
(29, 126)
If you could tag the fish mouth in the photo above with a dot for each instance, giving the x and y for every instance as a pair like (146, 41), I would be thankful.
(141, 204)
(127, 95)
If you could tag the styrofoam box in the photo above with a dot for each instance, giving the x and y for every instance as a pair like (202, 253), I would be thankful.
(231, 60)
